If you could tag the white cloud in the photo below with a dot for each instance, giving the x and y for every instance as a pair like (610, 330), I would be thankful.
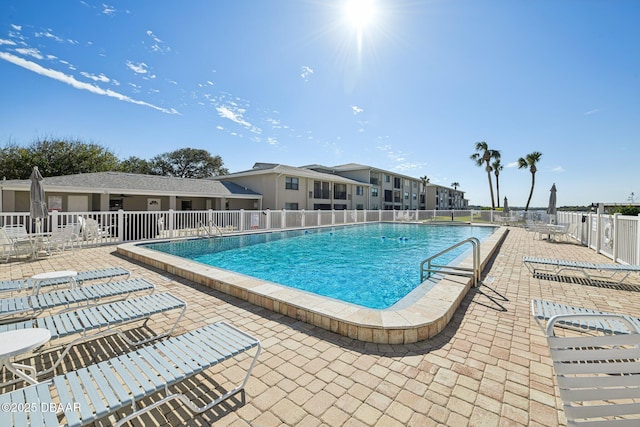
(29, 51)
(512, 165)
(558, 169)
(71, 81)
(16, 27)
(108, 10)
(50, 35)
(153, 36)
(356, 110)
(588, 113)
(101, 78)
(272, 140)
(140, 68)
(159, 45)
(9, 42)
(234, 116)
(306, 73)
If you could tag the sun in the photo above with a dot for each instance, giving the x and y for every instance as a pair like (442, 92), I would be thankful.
(360, 13)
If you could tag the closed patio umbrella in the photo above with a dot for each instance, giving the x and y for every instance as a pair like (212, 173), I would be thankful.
(551, 210)
(38, 208)
(505, 206)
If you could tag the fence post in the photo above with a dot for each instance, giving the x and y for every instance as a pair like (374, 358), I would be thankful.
(283, 224)
(55, 220)
(241, 228)
(614, 236)
(302, 218)
(333, 216)
(172, 222)
(638, 240)
(120, 220)
(599, 214)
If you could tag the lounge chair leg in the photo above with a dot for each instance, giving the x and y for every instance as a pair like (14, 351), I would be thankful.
(184, 399)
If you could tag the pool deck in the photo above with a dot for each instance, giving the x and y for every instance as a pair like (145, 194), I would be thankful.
(489, 366)
(421, 315)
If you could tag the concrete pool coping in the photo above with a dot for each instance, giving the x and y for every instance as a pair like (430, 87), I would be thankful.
(423, 319)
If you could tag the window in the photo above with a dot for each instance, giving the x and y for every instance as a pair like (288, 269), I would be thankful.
(291, 183)
(415, 196)
(359, 190)
(374, 192)
(388, 195)
(339, 207)
(115, 204)
(291, 206)
(387, 178)
(396, 182)
(360, 206)
(321, 190)
(340, 191)
(406, 195)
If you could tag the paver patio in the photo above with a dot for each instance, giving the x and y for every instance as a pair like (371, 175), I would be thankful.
(489, 367)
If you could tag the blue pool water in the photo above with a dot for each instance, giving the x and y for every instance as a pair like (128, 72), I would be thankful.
(372, 265)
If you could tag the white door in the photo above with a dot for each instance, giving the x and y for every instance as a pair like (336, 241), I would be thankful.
(77, 203)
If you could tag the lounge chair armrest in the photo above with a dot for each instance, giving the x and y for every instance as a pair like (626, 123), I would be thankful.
(576, 318)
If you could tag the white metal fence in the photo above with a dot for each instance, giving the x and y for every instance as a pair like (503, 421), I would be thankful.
(123, 226)
(615, 236)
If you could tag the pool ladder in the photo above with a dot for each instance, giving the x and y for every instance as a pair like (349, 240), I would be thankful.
(474, 273)
(208, 230)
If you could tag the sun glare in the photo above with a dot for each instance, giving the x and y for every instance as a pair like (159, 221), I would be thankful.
(360, 13)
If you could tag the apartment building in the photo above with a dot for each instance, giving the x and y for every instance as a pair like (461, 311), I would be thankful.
(444, 198)
(294, 188)
(388, 190)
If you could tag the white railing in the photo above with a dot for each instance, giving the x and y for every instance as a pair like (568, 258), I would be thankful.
(123, 226)
(615, 236)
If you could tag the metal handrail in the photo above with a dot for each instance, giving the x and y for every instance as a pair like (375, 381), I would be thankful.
(208, 230)
(474, 272)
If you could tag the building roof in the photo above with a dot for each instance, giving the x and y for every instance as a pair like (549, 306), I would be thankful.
(275, 168)
(129, 183)
(357, 166)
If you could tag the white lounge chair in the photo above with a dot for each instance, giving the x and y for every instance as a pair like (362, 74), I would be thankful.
(590, 271)
(102, 320)
(33, 305)
(83, 276)
(598, 376)
(545, 310)
(63, 237)
(96, 391)
(92, 231)
(11, 247)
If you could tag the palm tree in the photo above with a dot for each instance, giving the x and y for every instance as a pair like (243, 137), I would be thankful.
(482, 157)
(497, 168)
(425, 180)
(530, 162)
(455, 185)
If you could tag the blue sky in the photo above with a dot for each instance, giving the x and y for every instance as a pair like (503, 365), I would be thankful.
(298, 82)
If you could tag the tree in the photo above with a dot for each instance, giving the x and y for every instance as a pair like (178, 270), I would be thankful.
(482, 157)
(135, 165)
(55, 157)
(497, 168)
(188, 163)
(455, 185)
(530, 162)
(425, 180)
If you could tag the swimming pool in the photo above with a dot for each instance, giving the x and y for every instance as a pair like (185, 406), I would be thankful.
(371, 265)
